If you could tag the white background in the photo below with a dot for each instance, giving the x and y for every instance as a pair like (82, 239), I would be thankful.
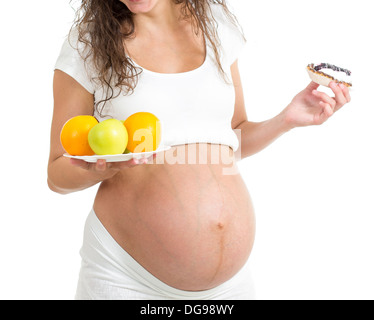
(312, 189)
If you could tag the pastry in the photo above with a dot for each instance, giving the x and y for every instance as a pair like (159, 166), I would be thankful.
(324, 73)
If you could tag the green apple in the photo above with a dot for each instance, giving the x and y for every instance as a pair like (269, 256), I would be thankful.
(108, 137)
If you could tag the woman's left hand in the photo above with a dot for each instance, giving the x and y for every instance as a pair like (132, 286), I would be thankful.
(312, 107)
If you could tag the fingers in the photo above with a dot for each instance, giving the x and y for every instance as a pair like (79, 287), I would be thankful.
(80, 163)
(325, 113)
(312, 86)
(127, 164)
(101, 165)
(327, 105)
(346, 93)
(342, 96)
(327, 109)
(323, 97)
(341, 93)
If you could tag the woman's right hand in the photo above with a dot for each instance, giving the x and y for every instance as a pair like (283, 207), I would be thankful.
(107, 170)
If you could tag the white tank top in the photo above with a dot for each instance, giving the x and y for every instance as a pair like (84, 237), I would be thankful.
(194, 107)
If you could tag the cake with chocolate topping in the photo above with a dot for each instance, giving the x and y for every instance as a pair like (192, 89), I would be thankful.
(324, 73)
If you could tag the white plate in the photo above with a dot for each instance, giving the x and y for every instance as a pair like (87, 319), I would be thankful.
(118, 157)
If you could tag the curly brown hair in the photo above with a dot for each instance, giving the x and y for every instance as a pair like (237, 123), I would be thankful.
(103, 26)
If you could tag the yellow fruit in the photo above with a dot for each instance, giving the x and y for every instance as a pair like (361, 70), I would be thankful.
(74, 135)
(108, 137)
(144, 130)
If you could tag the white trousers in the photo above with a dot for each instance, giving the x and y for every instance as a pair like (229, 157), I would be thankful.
(108, 272)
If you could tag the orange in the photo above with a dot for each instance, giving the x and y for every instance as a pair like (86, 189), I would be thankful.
(144, 130)
(74, 135)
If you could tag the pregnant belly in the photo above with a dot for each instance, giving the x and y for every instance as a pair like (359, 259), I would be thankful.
(190, 225)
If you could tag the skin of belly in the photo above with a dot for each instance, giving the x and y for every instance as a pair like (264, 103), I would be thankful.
(189, 225)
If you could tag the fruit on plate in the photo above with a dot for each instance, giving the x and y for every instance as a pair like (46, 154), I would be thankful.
(144, 131)
(74, 135)
(108, 137)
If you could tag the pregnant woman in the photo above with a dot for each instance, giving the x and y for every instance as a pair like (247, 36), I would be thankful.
(167, 227)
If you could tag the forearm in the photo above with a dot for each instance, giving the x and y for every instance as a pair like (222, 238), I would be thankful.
(65, 178)
(255, 136)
